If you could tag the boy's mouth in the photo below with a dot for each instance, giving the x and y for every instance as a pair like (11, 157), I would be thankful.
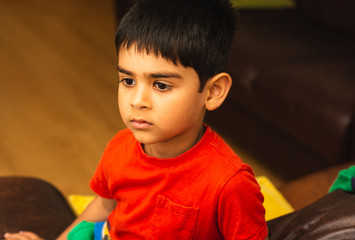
(140, 124)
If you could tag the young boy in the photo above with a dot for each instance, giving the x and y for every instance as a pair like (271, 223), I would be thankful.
(169, 176)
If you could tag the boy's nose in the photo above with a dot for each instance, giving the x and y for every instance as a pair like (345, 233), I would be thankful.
(141, 99)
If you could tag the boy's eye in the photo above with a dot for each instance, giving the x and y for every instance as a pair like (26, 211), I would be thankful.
(162, 86)
(128, 82)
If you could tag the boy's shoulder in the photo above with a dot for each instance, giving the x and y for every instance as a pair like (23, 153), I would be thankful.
(218, 153)
(220, 146)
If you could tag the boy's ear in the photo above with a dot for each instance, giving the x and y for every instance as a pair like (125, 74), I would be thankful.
(217, 90)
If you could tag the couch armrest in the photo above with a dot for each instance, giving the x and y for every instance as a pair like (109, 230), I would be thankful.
(331, 217)
(29, 204)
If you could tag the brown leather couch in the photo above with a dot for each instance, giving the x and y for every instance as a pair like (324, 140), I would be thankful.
(318, 215)
(293, 97)
(31, 204)
(329, 218)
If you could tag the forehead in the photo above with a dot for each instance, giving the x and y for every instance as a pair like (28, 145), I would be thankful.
(140, 61)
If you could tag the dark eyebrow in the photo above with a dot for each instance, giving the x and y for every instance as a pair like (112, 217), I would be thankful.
(152, 75)
(121, 70)
(165, 75)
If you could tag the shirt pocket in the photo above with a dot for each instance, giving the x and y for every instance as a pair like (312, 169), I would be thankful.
(171, 221)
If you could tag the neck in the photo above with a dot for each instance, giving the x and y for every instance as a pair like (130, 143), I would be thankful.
(173, 147)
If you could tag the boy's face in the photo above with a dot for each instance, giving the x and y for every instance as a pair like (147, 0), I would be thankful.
(159, 101)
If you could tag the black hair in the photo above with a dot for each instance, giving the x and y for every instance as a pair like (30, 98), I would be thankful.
(195, 33)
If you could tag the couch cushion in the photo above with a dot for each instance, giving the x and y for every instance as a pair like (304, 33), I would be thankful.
(329, 218)
(314, 104)
(297, 75)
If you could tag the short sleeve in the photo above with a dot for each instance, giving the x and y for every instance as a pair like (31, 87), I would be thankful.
(99, 181)
(114, 154)
(241, 214)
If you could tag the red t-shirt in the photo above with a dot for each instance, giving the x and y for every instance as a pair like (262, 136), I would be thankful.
(205, 193)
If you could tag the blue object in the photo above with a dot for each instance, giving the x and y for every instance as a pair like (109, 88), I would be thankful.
(98, 230)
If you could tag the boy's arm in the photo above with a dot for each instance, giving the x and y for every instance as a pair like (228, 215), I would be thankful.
(240, 209)
(98, 210)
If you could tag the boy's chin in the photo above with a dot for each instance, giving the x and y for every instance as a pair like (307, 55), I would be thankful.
(143, 137)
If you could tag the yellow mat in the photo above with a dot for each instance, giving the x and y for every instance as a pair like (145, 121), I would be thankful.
(274, 202)
(79, 202)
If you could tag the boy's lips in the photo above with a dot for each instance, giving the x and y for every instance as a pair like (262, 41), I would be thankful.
(140, 123)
